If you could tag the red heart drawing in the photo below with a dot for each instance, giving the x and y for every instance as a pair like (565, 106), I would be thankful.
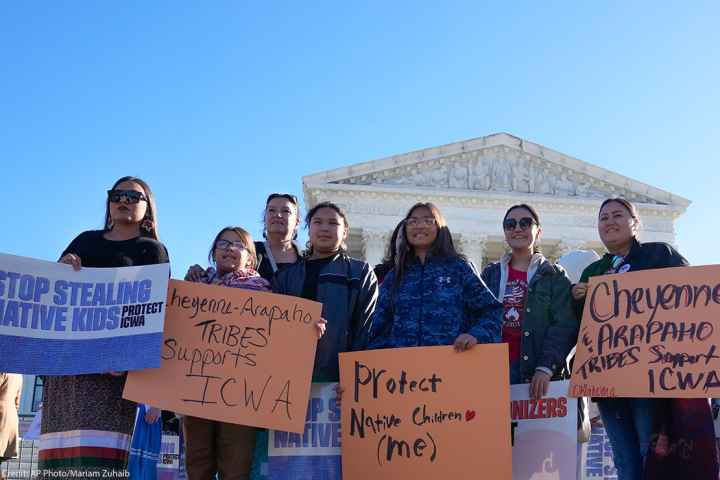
(469, 415)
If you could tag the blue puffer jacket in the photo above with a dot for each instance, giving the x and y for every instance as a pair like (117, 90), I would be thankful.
(436, 302)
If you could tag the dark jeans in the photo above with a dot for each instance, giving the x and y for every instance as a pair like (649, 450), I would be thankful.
(629, 424)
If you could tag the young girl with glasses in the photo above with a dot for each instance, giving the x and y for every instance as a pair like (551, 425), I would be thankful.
(214, 447)
(86, 424)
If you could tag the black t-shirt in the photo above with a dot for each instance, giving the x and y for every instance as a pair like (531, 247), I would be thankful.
(312, 276)
(95, 250)
(265, 268)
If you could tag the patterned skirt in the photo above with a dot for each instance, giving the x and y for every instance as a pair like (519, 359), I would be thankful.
(86, 427)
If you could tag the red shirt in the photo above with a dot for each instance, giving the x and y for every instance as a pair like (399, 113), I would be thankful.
(514, 303)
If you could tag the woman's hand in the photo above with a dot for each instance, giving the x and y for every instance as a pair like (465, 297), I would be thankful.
(152, 414)
(72, 260)
(579, 290)
(539, 385)
(464, 341)
(320, 327)
(195, 273)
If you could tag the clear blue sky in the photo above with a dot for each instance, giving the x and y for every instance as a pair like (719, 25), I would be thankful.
(218, 103)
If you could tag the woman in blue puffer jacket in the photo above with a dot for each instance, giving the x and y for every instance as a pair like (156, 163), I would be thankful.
(433, 296)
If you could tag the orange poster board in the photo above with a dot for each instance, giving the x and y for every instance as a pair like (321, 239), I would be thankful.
(233, 355)
(652, 333)
(426, 413)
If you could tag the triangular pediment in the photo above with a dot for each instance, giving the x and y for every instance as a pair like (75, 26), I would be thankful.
(498, 163)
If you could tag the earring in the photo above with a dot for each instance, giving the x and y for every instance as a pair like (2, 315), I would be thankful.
(109, 225)
(147, 225)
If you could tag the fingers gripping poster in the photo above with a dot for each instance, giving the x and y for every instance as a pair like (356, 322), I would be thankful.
(426, 413)
(233, 355)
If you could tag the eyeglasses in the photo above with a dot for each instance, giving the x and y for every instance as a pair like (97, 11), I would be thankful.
(526, 222)
(131, 196)
(416, 222)
(223, 244)
(292, 198)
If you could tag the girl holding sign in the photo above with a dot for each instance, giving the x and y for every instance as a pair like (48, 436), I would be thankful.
(86, 424)
(433, 296)
(214, 447)
(651, 438)
(539, 323)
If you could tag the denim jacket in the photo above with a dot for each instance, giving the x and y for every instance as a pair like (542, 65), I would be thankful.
(434, 303)
(549, 326)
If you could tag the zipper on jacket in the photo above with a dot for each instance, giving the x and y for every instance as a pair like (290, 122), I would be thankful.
(422, 301)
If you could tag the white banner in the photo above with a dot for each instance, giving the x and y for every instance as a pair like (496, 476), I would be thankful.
(544, 434)
(56, 321)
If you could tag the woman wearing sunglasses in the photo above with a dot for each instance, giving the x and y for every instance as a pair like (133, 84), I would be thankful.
(539, 323)
(651, 438)
(433, 296)
(86, 424)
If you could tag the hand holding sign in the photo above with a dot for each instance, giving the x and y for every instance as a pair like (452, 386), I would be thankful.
(233, 355)
(650, 334)
(417, 413)
(72, 260)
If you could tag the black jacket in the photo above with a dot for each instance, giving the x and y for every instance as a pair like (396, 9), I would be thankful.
(348, 290)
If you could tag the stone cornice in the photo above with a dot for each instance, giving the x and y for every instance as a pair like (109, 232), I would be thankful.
(507, 141)
(383, 197)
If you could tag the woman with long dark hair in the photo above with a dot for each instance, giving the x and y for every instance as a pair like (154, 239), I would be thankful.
(388, 261)
(86, 424)
(433, 296)
(539, 323)
(651, 438)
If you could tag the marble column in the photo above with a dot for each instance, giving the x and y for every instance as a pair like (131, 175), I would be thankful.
(472, 245)
(374, 245)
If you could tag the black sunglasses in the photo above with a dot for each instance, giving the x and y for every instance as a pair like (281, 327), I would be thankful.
(132, 196)
(509, 224)
(292, 198)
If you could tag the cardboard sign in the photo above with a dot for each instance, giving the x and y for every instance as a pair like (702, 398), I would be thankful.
(544, 434)
(426, 413)
(233, 355)
(314, 454)
(56, 321)
(651, 333)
